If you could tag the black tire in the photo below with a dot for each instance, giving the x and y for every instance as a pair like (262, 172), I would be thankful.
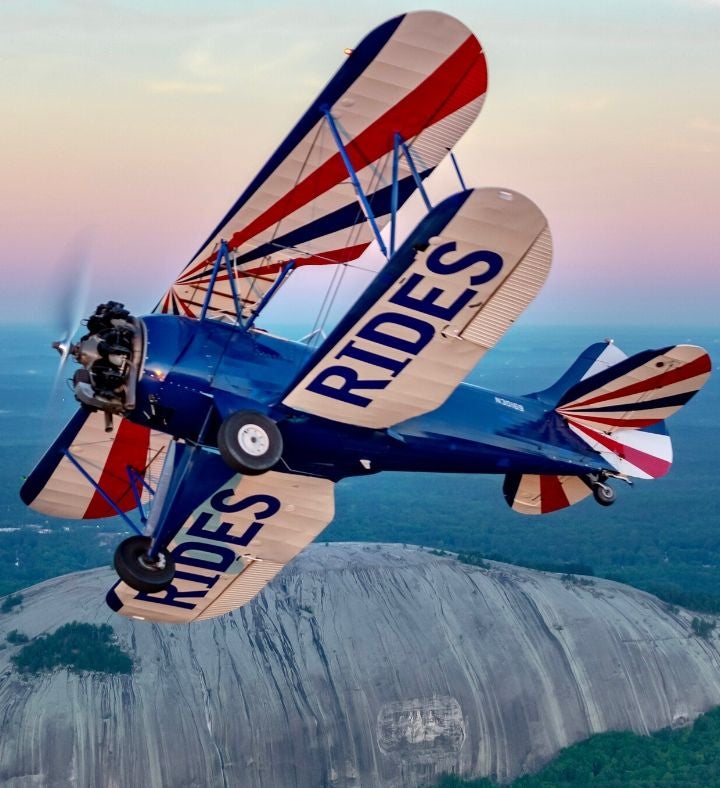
(139, 573)
(250, 442)
(604, 494)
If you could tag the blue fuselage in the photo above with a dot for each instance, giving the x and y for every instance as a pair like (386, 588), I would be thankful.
(195, 373)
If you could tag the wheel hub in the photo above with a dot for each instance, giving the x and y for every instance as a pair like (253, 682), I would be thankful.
(253, 439)
(153, 566)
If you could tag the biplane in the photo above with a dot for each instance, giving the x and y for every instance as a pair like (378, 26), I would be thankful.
(224, 441)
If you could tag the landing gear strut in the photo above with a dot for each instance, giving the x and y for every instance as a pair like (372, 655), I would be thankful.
(602, 492)
(138, 570)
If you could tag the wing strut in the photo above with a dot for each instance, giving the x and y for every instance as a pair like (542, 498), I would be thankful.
(136, 481)
(399, 145)
(102, 492)
(286, 270)
(223, 256)
(355, 180)
(457, 170)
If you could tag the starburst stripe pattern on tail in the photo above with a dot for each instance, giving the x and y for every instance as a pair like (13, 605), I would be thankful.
(533, 494)
(644, 454)
(422, 75)
(638, 392)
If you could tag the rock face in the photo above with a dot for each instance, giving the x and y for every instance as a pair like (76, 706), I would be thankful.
(361, 665)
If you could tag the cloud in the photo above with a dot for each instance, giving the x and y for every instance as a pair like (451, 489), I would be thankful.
(703, 124)
(188, 88)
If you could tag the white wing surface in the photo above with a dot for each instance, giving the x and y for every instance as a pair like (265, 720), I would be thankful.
(456, 285)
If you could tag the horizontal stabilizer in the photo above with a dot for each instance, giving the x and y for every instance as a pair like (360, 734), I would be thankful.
(642, 453)
(618, 408)
(531, 494)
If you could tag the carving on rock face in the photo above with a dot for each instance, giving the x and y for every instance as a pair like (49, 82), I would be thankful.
(425, 726)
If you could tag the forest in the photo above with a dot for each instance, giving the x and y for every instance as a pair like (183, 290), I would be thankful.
(660, 536)
(688, 757)
(76, 646)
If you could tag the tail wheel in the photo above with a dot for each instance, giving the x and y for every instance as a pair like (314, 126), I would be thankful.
(250, 442)
(604, 494)
(138, 570)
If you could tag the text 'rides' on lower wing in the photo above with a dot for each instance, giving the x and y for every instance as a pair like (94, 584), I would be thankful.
(236, 533)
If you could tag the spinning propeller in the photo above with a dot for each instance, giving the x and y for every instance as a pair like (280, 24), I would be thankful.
(70, 305)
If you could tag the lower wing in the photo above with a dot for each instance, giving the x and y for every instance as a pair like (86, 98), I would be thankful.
(450, 292)
(236, 534)
(86, 467)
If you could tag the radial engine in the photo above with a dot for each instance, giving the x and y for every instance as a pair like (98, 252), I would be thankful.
(110, 354)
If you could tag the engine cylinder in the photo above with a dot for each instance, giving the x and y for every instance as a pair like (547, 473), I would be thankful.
(110, 355)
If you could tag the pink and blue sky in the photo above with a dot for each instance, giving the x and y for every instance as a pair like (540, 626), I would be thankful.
(130, 127)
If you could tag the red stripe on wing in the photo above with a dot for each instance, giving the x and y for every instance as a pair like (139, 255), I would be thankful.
(552, 495)
(130, 448)
(346, 254)
(179, 301)
(462, 77)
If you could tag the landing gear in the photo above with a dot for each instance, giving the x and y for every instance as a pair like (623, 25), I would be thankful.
(250, 442)
(136, 568)
(603, 494)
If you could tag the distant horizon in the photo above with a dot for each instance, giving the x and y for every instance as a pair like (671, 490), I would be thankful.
(611, 323)
(131, 130)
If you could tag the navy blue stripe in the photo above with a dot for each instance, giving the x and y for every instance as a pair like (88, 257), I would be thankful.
(341, 219)
(662, 402)
(591, 384)
(432, 224)
(353, 67)
(347, 216)
(511, 486)
(573, 375)
(47, 466)
(113, 600)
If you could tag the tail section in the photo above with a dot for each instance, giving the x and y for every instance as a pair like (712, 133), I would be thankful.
(619, 412)
(597, 358)
(617, 406)
(637, 392)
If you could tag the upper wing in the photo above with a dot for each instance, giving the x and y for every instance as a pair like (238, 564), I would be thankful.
(238, 536)
(458, 282)
(421, 75)
(56, 486)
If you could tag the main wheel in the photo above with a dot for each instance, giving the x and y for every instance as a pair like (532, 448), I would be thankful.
(604, 494)
(250, 442)
(138, 570)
